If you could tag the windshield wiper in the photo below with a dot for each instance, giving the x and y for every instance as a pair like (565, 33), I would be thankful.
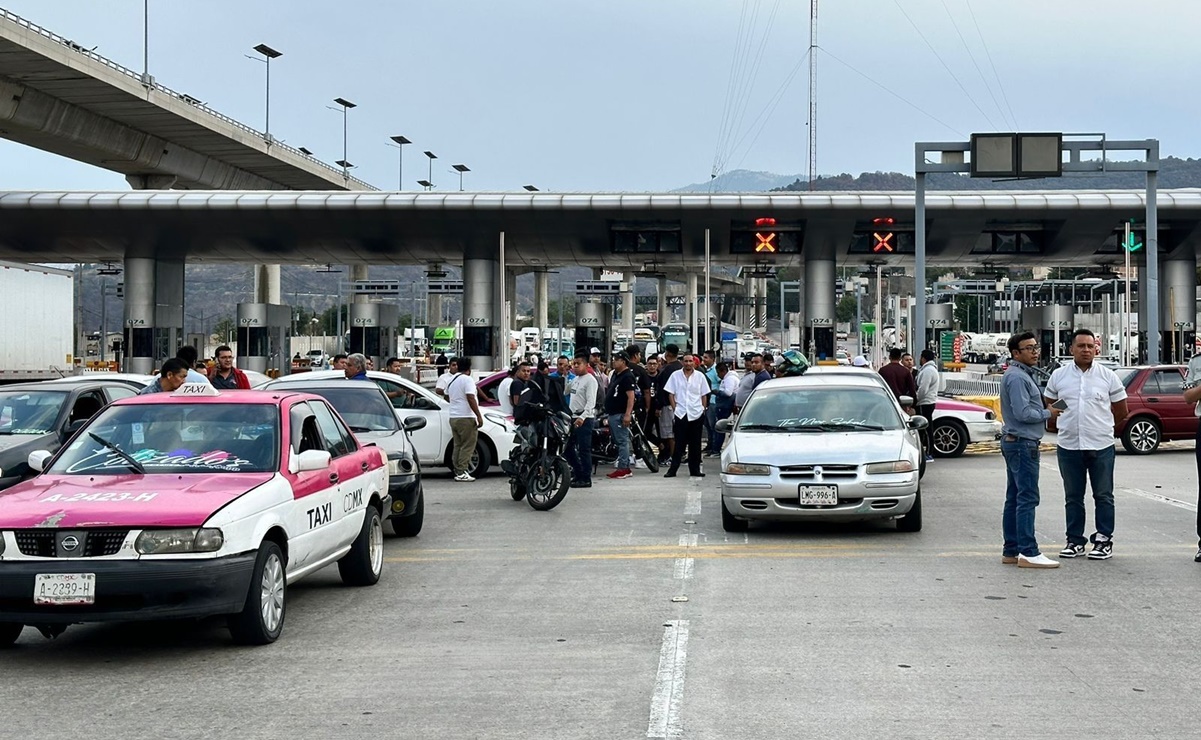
(807, 428)
(133, 464)
(758, 427)
(360, 430)
(857, 427)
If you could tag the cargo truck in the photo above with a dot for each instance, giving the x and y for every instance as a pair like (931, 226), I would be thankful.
(37, 322)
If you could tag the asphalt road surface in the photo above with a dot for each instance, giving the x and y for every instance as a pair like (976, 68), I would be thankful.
(628, 613)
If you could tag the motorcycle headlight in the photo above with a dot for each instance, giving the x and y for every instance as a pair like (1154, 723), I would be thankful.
(896, 466)
(737, 468)
(170, 541)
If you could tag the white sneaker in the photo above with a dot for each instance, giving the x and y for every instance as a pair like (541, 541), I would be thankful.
(464, 478)
(638, 464)
(1038, 561)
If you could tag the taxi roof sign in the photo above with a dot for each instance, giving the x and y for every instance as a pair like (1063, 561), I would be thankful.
(196, 389)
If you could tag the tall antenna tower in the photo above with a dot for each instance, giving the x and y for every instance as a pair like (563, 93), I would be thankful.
(812, 93)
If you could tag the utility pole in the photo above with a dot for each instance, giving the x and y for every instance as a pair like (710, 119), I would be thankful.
(812, 94)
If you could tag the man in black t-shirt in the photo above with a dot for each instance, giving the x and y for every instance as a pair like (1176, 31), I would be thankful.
(619, 407)
(642, 400)
(671, 364)
(523, 392)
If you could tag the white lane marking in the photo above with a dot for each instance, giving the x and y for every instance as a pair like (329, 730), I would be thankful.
(669, 682)
(1160, 497)
(688, 540)
(684, 568)
(693, 505)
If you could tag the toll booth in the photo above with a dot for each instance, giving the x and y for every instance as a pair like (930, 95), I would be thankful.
(1052, 326)
(594, 327)
(373, 330)
(818, 341)
(940, 318)
(153, 313)
(264, 331)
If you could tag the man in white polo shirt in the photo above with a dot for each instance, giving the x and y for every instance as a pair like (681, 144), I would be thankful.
(1096, 401)
(465, 419)
(688, 392)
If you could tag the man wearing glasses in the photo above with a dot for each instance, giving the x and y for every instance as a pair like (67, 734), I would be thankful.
(1024, 416)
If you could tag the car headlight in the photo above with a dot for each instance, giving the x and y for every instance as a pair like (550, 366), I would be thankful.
(896, 466)
(399, 466)
(989, 416)
(737, 468)
(167, 541)
(499, 420)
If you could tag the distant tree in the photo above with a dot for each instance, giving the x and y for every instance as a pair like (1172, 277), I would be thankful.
(224, 329)
(845, 310)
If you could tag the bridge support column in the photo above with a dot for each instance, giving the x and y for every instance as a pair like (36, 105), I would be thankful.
(154, 291)
(661, 306)
(1178, 308)
(266, 284)
(511, 298)
(481, 323)
(818, 336)
(541, 299)
(358, 272)
(627, 303)
(151, 182)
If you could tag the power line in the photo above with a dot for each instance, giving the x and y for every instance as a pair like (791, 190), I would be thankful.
(944, 64)
(972, 57)
(988, 54)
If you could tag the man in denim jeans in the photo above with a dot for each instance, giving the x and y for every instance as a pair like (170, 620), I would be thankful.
(1096, 401)
(1024, 415)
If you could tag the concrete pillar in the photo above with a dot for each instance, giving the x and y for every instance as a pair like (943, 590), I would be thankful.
(819, 293)
(154, 312)
(541, 299)
(151, 182)
(511, 299)
(481, 322)
(761, 304)
(357, 272)
(661, 307)
(1178, 290)
(266, 284)
(627, 303)
(433, 303)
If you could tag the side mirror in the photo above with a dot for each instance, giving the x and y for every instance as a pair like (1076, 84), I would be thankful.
(918, 422)
(37, 459)
(723, 426)
(906, 401)
(308, 460)
(74, 427)
(413, 423)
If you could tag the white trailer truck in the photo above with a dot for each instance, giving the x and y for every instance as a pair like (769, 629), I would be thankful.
(37, 322)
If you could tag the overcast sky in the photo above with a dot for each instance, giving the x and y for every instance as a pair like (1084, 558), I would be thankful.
(632, 94)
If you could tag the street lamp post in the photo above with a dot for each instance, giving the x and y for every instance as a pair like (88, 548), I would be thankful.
(460, 168)
(400, 147)
(268, 54)
(346, 106)
(430, 178)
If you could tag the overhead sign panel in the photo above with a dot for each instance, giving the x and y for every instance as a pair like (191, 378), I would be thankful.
(599, 287)
(376, 287)
(766, 237)
(1017, 155)
(444, 287)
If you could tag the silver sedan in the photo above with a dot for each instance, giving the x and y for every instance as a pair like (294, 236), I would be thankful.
(814, 447)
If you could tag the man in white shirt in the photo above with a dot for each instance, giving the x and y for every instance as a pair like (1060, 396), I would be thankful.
(502, 393)
(927, 396)
(446, 377)
(1096, 401)
(688, 393)
(583, 422)
(465, 418)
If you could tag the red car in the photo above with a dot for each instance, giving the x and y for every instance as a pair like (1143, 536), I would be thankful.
(1158, 411)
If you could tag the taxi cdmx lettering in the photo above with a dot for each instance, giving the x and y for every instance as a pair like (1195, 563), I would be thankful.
(320, 515)
(216, 460)
(352, 500)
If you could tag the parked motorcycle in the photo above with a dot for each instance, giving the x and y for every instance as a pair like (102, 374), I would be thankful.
(536, 468)
(604, 449)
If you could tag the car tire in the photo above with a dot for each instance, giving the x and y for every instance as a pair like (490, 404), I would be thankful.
(262, 618)
(410, 524)
(948, 438)
(912, 521)
(730, 523)
(364, 563)
(480, 461)
(1142, 435)
(9, 632)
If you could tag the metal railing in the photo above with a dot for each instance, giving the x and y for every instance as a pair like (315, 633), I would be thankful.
(970, 387)
(149, 83)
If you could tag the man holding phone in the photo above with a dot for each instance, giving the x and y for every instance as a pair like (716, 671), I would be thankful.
(1024, 418)
(1096, 401)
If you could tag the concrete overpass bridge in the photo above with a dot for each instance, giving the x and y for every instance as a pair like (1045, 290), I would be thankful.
(492, 234)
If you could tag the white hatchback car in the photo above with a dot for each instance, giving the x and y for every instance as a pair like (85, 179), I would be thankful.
(433, 443)
(832, 447)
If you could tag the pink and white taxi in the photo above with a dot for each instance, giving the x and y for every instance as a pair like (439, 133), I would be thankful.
(188, 504)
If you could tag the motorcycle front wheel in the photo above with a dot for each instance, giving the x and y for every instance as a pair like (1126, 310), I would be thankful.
(548, 483)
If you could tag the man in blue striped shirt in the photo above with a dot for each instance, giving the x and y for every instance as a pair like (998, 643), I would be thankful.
(1024, 416)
